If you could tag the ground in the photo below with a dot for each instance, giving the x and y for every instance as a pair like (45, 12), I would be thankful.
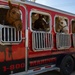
(54, 73)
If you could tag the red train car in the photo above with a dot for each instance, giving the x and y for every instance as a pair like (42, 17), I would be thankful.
(45, 43)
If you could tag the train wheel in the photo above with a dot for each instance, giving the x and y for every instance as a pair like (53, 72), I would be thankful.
(67, 65)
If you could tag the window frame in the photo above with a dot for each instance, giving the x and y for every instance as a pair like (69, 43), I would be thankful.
(71, 25)
(3, 26)
(44, 13)
(55, 24)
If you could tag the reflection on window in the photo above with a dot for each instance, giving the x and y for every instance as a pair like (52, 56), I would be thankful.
(40, 22)
(61, 25)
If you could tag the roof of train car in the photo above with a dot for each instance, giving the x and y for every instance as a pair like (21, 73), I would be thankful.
(44, 6)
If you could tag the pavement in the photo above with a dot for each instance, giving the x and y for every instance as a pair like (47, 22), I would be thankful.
(54, 73)
(73, 73)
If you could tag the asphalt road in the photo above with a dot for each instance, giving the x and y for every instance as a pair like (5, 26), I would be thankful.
(53, 73)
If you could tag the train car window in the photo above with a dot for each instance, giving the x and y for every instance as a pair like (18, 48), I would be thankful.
(3, 12)
(40, 22)
(61, 24)
(73, 26)
(9, 34)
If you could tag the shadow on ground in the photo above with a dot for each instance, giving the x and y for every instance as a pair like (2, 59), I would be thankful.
(51, 73)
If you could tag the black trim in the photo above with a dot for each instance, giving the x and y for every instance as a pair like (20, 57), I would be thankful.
(15, 66)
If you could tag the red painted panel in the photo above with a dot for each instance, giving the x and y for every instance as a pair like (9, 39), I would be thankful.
(15, 51)
(32, 53)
